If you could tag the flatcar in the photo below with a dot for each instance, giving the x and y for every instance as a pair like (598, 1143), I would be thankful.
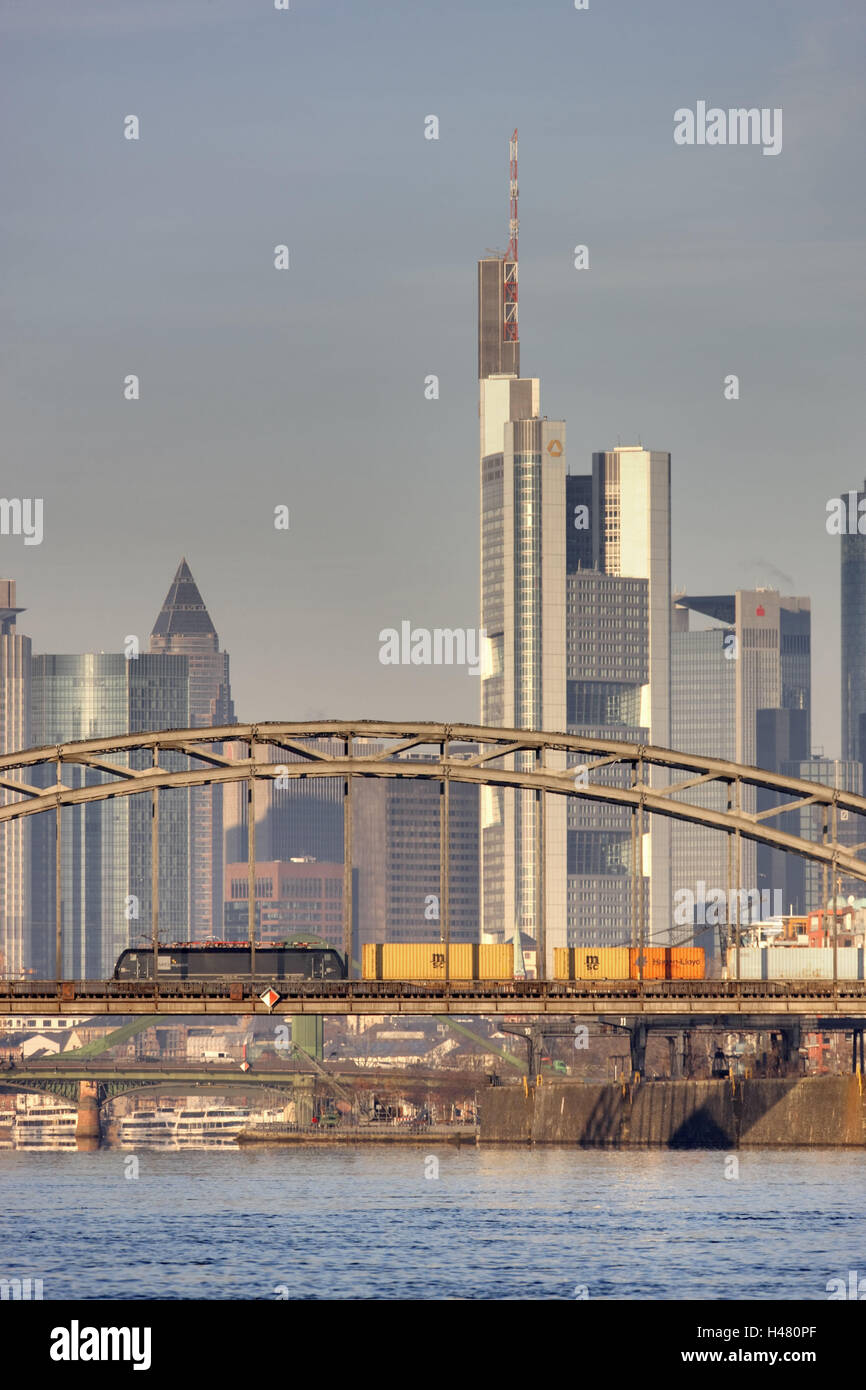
(230, 960)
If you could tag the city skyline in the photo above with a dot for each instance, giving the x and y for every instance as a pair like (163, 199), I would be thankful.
(238, 362)
(418, 808)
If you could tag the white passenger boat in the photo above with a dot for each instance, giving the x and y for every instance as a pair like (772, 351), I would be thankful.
(211, 1124)
(148, 1126)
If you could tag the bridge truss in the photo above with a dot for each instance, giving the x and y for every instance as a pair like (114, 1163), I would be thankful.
(542, 764)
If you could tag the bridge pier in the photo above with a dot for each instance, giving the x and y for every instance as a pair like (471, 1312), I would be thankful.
(637, 1035)
(676, 1055)
(88, 1127)
(688, 1055)
(786, 1045)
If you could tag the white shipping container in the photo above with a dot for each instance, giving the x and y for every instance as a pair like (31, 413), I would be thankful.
(795, 963)
(750, 963)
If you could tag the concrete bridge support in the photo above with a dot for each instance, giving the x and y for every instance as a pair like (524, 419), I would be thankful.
(637, 1045)
(88, 1127)
(786, 1045)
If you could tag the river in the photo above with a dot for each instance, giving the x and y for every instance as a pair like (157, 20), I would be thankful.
(470, 1223)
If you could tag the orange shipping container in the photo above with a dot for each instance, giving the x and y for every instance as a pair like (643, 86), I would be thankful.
(654, 963)
(688, 963)
(668, 963)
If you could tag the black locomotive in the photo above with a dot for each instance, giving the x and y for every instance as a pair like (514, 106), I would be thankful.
(230, 960)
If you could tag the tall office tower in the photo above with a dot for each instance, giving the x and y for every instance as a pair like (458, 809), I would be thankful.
(184, 627)
(14, 835)
(295, 819)
(608, 666)
(397, 843)
(105, 846)
(632, 539)
(703, 720)
(853, 577)
(782, 742)
(807, 822)
(756, 658)
(522, 609)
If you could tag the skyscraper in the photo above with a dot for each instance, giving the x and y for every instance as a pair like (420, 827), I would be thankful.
(608, 667)
(853, 596)
(397, 853)
(632, 539)
(14, 835)
(522, 605)
(750, 662)
(184, 627)
(105, 846)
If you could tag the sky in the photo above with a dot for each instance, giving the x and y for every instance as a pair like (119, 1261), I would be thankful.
(305, 388)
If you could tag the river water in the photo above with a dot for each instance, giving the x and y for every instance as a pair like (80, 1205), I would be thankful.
(377, 1222)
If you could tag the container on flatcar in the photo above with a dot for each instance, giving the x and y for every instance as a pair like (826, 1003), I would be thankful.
(425, 960)
(688, 963)
(651, 967)
(795, 963)
(590, 963)
(668, 963)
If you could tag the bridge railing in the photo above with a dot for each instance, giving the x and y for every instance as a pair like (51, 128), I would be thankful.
(77, 991)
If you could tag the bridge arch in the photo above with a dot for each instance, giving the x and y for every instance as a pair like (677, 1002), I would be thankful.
(523, 760)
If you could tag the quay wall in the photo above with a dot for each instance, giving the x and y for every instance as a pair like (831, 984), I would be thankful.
(793, 1112)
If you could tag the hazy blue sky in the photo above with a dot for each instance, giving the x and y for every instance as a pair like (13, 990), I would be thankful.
(306, 387)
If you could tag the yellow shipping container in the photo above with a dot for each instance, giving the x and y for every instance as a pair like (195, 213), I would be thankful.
(495, 962)
(425, 960)
(590, 963)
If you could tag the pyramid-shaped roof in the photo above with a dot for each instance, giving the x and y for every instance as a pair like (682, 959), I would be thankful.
(183, 614)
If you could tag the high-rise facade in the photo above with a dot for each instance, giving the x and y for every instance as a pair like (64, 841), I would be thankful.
(853, 615)
(740, 661)
(703, 721)
(105, 846)
(397, 842)
(608, 666)
(523, 600)
(807, 822)
(184, 627)
(15, 663)
(631, 491)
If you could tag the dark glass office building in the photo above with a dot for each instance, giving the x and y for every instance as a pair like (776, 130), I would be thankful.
(105, 846)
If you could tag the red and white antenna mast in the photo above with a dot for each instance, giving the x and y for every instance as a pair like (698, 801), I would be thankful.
(509, 331)
(511, 253)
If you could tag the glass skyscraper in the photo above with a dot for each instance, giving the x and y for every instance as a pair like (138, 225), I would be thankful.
(105, 846)
(184, 627)
(853, 597)
(15, 659)
(523, 615)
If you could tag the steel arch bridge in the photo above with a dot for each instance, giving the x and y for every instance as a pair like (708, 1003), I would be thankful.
(537, 762)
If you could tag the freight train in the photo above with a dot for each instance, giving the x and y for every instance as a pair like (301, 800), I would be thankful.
(467, 962)
(427, 960)
(230, 960)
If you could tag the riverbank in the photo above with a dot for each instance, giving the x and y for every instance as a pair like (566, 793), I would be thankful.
(361, 1134)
